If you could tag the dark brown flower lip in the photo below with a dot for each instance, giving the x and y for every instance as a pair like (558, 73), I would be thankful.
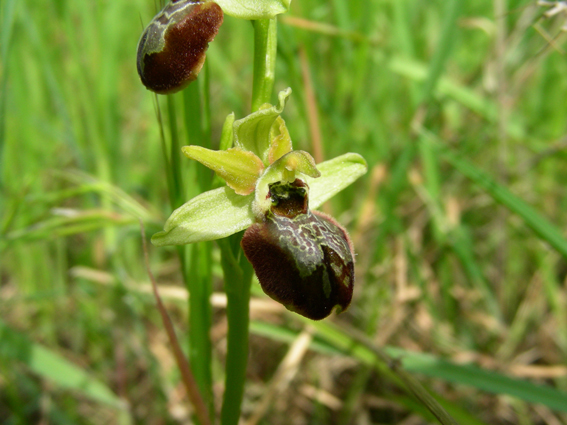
(303, 259)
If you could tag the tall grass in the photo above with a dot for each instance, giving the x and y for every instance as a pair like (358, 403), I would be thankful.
(458, 226)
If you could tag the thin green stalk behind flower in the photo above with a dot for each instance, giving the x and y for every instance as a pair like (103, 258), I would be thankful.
(238, 292)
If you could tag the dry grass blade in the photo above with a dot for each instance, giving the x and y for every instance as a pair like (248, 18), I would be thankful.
(412, 384)
(285, 373)
(311, 106)
(327, 29)
(186, 374)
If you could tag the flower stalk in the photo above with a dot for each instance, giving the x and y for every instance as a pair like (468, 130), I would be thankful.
(270, 190)
(195, 259)
(237, 270)
(265, 48)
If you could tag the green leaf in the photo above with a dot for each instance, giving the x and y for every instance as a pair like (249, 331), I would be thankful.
(252, 133)
(240, 169)
(487, 380)
(336, 174)
(254, 9)
(212, 215)
(49, 365)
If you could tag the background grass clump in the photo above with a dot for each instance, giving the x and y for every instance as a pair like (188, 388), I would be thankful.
(460, 110)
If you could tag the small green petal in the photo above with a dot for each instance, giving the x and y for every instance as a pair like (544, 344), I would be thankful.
(252, 133)
(336, 174)
(299, 161)
(240, 169)
(254, 9)
(212, 215)
(280, 141)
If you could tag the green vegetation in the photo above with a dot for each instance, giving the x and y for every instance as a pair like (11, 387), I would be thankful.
(459, 109)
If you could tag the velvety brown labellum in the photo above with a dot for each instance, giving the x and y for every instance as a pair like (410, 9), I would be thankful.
(171, 51)
(303, 259)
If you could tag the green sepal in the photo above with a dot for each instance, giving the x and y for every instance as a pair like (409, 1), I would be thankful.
(221, 212)
(254, 9)
(252, 133)
(212, 215)
(240, 169)
(336, 174)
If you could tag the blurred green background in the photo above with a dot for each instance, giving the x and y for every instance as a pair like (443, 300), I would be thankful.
(460, 109)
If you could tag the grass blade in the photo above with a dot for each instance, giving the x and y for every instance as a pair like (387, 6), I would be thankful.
(443, 51)
(15, 346)
(545, 229)
(482, 379)
(331, 339)
(187, 375)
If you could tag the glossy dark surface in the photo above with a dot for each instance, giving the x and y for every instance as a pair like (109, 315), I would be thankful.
(303, 259)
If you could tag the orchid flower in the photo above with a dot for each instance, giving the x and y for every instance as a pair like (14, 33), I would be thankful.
(303, 258)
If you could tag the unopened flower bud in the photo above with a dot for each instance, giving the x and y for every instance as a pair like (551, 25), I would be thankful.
(171, 51)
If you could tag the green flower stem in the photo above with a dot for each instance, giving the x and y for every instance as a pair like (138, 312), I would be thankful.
(238, 277)
(265, 49)
(199, 285)
(198, 263)
(174, 157)
(237, 270)
(176, 198)
(195, 259)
